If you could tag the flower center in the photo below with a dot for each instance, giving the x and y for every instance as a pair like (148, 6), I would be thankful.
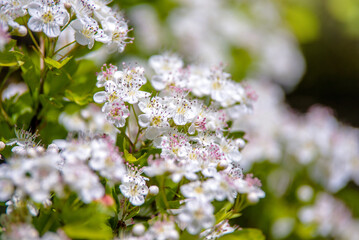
(48, 17)
(156, 120)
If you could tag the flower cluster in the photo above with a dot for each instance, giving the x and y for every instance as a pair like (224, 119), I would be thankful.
(91, 20)
(192, 136)
(316, 139)
(333, 218)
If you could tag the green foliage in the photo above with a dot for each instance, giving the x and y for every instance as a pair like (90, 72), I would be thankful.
(303, 22)
(244, 234)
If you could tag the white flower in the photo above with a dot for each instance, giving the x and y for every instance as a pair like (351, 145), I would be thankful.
(117, 31)
(107, 74)
(196, 215)
(87, 31)
(250, 186)
(6, 189)
(21, 231)
(106, 159)
(155, 121)
(83, 181)
(135, 191)
(195, 190)
(165, 63)
(218, 230)
(163, 230)
(47, 16)
(116, 113)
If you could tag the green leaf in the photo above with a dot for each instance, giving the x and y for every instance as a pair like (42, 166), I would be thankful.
(244, 234)
(80, 100)
(53, 63)
(133, 212)
(303, 22)
(129, 157)
(50, 100)
(82, 231)
(31, 73)
(186, 236)
(11, 64)
(174, 204)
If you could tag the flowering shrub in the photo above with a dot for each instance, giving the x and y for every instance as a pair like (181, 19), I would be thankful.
(160, 160)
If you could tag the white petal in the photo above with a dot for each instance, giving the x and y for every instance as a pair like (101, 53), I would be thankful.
(62, 18)
(100, 97)
(77, 25)
(34, 10)
(81, 39)
(158, 83)
(35, 24)
(52, 29)
(144, 120)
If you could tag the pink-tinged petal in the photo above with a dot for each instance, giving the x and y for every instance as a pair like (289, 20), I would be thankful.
(52, 30)
(35, 24)
(35, 10)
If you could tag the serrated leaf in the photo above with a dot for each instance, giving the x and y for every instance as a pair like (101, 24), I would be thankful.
(129, 157)
(53, 63)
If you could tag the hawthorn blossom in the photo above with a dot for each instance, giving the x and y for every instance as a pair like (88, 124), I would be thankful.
(218, 230)
(134, 186)
(106, 159)
(117, 31)
(107, 74)
(47, 16)
(87, 31)
(116, 113)
(196, 215)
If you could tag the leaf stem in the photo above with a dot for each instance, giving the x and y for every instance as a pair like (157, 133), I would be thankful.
(58, 50)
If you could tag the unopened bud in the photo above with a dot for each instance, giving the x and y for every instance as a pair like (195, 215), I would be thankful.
(138, 229)
(22, 31)
(40, 149)
(53, 148)
(67, 6)
(2, 146)
(153, 190)
(241, 143)
(252, 197)
(222, 165)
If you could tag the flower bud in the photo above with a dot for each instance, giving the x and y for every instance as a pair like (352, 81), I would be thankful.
(53, 148)
(40, 149)
(22, 31)
(138, 229)
(153, 190)
(32, 152)
(241, 143)
(222, 165)
(2, 146)
(252, 198)
(67, 6)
